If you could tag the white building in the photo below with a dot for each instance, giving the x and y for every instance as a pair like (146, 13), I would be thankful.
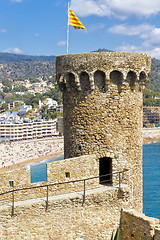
(8, 116)
(24, 109)
(50, 102)
(20, 93)
(13, 131)
(1, 87)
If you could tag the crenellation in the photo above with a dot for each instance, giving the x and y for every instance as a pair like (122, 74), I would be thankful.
(137, 63)
(127, 81)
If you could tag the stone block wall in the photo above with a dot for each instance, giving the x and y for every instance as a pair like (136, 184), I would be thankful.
(135, 225)
(66, 217)
(73, 169)
(57, 172)
(157, 233)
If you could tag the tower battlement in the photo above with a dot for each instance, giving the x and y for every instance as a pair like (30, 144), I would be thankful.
(85, 72)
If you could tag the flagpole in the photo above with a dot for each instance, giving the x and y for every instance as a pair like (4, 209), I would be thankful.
(68, 30)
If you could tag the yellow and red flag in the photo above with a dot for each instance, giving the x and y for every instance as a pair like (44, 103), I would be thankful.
(74, 21)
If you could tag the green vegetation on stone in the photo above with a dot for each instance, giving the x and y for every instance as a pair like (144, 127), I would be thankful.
(116, 237)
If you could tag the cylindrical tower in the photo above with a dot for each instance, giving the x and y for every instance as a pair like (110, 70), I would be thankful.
(103, 107)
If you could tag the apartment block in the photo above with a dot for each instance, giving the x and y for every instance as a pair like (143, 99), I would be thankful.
(13, 131)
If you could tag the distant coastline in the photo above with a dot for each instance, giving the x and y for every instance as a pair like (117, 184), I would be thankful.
(150, 135)
(30, 161)
(21, 153)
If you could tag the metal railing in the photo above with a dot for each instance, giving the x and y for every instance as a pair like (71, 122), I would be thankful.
(106, 182)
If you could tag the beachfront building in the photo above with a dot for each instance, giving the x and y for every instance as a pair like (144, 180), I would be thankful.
(14, 104)
(151, 116)
(13, 131)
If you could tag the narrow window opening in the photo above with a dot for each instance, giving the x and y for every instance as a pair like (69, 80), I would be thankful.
(67, 174)
(105, 171)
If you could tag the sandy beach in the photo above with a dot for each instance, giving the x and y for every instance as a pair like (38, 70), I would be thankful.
(17, 154)
(151, 135)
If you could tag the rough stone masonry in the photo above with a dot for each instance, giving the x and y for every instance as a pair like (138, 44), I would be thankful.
(102, 97)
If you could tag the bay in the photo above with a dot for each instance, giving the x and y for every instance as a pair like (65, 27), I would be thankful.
(151, 180)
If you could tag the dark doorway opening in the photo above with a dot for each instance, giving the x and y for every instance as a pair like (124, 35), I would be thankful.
(105, 168)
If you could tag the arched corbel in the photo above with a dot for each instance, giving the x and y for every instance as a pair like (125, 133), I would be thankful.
(77, 81)
(60, 82)
(107, 80)
(91, 79)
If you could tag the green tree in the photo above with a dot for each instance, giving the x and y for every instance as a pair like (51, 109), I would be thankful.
(54, 93)
(20, 88)
(4, 106)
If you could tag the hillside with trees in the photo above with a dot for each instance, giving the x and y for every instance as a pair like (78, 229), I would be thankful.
(152, 92)
(10, 57)
(17, 66)
(26, 69)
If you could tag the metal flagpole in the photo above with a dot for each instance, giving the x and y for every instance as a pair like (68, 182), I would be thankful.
(68, 30)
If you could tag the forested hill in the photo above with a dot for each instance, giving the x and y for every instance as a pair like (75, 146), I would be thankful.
(155, 75)
(10, 57)
(26, 69)
(20, 66)
(152, 92)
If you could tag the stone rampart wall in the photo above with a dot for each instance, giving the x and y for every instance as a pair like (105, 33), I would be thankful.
(66, 218)
(57, 172)
(135, 225)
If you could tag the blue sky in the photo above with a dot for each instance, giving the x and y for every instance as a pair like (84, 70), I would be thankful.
(39, 27)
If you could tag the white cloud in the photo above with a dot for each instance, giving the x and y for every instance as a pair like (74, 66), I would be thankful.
(149, 34)
(96, 27)
(61, 43)
(13, 50)
(3, 30)
(117, 8)
(129, 48)
(154, 52)
(36, 34)
(141, 30)
(16, 0)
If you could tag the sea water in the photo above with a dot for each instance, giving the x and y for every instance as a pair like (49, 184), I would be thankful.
(38, 171)
(151, 177)
(151, 180)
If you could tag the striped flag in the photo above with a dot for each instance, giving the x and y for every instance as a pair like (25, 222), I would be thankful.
(74, 21)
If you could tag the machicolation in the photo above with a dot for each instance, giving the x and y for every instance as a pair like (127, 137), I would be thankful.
(85, 72)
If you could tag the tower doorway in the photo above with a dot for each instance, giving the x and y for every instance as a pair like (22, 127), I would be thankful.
(105, 168)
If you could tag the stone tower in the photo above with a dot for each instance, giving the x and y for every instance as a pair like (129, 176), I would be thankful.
(103, 110)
